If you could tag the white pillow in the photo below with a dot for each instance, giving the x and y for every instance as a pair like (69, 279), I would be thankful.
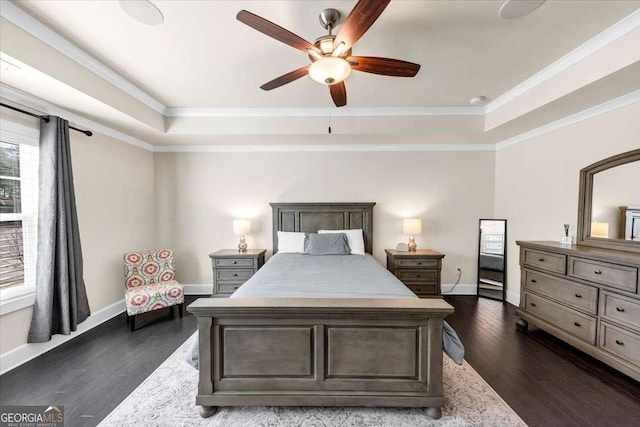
(290, 242)
(354, 237)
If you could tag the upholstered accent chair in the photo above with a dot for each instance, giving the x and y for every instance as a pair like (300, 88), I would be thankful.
(150, 283)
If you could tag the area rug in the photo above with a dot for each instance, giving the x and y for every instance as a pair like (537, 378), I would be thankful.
(167, 398)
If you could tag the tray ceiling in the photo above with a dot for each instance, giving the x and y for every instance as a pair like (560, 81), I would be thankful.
(202, 57)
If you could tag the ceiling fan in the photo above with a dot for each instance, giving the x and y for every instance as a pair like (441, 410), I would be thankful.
(331, 60)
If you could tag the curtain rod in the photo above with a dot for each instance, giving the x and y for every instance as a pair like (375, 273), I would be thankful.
(46, 119)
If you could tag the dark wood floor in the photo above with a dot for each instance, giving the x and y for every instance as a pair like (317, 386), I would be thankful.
(545, 381)
(91, 374)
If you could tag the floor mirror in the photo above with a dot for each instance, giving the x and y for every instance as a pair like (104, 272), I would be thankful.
(492, 259)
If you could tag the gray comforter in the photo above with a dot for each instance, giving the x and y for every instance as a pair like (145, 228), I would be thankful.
(330, 276)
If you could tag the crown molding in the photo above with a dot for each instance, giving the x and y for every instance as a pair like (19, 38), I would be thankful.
(321, 148)
(31, 25)
(21, 134)
(620, 29)
(324, 112)
(597, 110)
(46, 107)
(36, 28)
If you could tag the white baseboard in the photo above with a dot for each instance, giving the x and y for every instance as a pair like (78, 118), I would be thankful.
(460, 289)
(202, 289)
(16, 357)
(513, 298)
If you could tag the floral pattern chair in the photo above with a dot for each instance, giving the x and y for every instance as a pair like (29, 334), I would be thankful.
(150, 283)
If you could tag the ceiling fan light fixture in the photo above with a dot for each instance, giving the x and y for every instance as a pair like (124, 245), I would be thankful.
(329, 70)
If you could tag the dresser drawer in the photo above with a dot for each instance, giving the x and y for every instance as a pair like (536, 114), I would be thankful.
(417, 263)
(548, 261)
(418, 276)
(578, 296)
(427, 289)
(577, 324)
(621, 343)
(233, 262)
(614, 275)
(227, 288)
(621, 309)
(234, 274)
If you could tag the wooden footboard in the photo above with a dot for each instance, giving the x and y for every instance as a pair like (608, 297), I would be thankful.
(320, 352)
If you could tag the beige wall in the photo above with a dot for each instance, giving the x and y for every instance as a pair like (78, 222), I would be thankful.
(199, 194)
(537, 180)
(114, 185)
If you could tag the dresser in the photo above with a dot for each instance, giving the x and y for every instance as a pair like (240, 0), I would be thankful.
(419, 270)
(586, 296)
(232, 268)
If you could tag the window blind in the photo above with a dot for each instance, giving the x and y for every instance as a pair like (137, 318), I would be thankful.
(18, 213)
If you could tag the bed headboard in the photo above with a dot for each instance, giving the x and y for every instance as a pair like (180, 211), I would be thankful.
(311, 217)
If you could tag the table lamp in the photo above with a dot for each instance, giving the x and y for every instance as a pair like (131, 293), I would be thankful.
(412, 227)
(240, 228)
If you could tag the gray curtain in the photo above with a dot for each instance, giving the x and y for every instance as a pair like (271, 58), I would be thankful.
(61, 297)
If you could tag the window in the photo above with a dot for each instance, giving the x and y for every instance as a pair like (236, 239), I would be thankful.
(18, 211)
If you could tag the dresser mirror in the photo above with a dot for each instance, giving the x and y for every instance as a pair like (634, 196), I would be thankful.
(609, 203)
(492, 258)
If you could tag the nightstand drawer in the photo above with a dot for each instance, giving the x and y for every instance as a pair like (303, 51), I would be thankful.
(614, 275)
(555, 263)
(227, 288)
(234, 274)
(233, 262)
(426, 289)
(417, 263)
(421, 276)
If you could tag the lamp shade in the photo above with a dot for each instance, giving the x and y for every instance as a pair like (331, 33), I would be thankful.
(600, 229)
(329, 70)
(241, 226)
(412, 226)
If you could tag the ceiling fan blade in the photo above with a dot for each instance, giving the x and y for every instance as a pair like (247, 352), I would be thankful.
(286, 78)
(274, 31)
(362, 16)
(339, 94)
(384, 66)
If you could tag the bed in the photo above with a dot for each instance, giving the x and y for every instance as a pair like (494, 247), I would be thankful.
(278, 341)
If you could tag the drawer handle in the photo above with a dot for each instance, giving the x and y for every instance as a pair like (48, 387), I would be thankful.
(419, 263)
(540, 259)
(417, 275)
(619, 342)
(598, 272)
(578, 296)
(534, 281)
(533, 304)
(577, 324)
(234, 262)
(235, 274)
(620, 309)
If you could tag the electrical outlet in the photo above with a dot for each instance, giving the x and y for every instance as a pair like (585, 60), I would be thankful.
(458, 269)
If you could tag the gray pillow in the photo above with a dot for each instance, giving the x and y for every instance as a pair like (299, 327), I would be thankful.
(326, 244)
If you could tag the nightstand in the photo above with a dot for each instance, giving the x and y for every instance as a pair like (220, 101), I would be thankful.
(232, 268)
(418, 270)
